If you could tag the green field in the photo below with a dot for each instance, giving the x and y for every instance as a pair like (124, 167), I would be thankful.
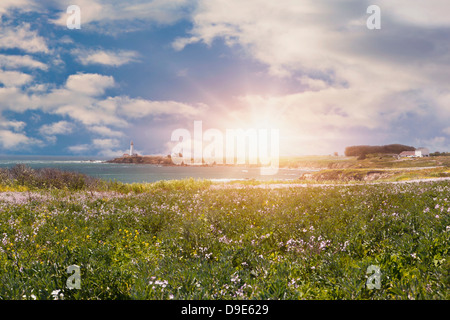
(198, 240)
(372, 161)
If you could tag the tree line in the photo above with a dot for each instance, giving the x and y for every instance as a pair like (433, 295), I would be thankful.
(357, 151)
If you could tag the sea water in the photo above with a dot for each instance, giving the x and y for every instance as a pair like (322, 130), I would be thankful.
(130, 173)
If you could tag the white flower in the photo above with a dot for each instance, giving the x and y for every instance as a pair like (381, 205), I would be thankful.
(57, 295)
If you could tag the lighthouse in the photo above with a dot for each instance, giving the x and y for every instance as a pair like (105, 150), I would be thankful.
(131, 148)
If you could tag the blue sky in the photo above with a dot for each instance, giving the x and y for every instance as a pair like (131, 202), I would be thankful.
(137, 70)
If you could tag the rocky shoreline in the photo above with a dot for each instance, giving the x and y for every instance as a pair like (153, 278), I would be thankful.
(157, 160)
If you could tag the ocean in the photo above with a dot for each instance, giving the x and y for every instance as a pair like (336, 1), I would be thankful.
(130, 173)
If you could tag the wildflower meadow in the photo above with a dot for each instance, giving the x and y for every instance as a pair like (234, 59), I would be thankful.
(190, 240)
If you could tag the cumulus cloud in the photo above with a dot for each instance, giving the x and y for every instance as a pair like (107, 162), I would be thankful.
(431, 13)
(350, 77)
(102, 147)
(80, 148)
(138, 108)
(56, 128)
(89, 83)
(24, 5)
(16, 140)
(105, 131)
(82, 99)
(16, 61)
(437, 143)
(23, 38)
(105, 143)
(14, 78)
(107, 15)
(105, 57)
(15, 125)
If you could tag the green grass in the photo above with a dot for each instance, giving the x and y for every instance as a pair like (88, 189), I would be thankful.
(374, 174)
(186, 240)
(371, 162)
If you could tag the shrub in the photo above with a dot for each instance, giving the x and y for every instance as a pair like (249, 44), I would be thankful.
(22, 175)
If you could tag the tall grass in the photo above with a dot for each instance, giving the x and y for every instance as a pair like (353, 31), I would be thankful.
(184, 240)
(23, 178)
(45, 178)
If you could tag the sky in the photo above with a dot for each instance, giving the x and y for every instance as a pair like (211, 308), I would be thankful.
(138, 70)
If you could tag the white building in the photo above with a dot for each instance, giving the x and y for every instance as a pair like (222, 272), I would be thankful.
(418, 153)
(422, 152)
(131, 148)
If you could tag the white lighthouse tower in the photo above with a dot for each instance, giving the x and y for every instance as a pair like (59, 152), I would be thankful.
(131, 149)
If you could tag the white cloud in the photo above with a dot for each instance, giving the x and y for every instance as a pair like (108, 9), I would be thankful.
(76, 99)
(15, 125)
(106, 15)
(101, 147)
(22, 37)
(105, 143)
(106, 147)
(14, 140)
(89, 115)
(430, 13)
(350, 77)
(138, 108)
(57, 128)
(179, 43)
(446, 131)
(313, 84)
(81, 100)
(89, 83)
(314, 37)
(15, 61)
(105, 131)
(79, 148)
(437, 143)
(24, 5)
(105, 57)
(14, 78)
